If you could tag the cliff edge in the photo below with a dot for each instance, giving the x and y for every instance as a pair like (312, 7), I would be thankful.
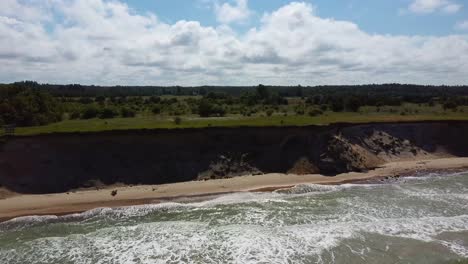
(61, 162)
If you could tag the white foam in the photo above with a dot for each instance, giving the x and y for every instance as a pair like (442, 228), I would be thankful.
(187, 242)
(295, 227)
(280, 196)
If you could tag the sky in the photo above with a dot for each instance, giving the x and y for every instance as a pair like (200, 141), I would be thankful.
(234, 42)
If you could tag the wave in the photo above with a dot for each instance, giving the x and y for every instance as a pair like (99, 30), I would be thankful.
(278, 196)
(187, 242)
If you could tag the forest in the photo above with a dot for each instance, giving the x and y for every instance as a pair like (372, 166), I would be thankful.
(29, 103)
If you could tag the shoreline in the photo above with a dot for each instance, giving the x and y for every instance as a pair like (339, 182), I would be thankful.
(84, 200)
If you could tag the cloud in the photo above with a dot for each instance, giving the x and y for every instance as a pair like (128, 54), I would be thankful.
(227, 13)
(107, 43)
(430, 6)
(462, 25)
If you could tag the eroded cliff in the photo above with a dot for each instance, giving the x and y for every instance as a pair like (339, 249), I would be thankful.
(60, 162)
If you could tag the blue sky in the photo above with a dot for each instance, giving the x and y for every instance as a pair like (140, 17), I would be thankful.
(373, 16)
(234, 42)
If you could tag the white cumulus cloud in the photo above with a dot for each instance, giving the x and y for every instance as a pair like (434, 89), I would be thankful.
(229, 13)
(462, 25)
(107, 43)
(430, 6)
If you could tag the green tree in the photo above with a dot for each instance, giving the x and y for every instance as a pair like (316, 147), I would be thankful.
(206, 109)
(450, 104)
(156, 110)
(90, 112)
(107, 113)
(127, 112)
(178, 120)
(337, 105)
(100, 99)
(32, 107)
(263, 92)
(352, 104)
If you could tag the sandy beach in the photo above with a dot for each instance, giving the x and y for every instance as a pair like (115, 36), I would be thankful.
(79, 201)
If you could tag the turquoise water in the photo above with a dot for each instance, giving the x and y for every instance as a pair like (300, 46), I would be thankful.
(412, 220)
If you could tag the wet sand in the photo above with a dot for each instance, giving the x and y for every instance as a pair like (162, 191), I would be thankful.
(79, 201)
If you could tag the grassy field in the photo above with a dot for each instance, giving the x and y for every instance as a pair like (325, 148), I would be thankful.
(153, 122)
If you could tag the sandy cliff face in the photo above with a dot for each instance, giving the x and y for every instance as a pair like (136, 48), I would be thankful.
(60, 162)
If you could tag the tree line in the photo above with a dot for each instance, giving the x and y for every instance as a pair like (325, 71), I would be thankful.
(25, 106)
(30, 103)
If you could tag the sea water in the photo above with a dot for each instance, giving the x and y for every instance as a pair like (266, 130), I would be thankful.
(411, 220)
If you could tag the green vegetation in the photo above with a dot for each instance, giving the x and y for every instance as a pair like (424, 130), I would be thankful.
(37, 109)
(153, 122)
(28, 107)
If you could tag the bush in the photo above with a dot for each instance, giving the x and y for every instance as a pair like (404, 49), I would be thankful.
(207, 109)
(270, 112)
(100, 99)
(74, 115)
(315, 112)
(127, 112)
(85, 100)
(450, 105)
(156, 110)
(352, 104)
(155, 99)
(90, 112)
(177, 120)
(107, 113)
(30, 107)
(337, 105)
(300, 110)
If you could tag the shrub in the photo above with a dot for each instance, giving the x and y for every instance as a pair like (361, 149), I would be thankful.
(127, 112)
(155, 99)
(300, 110)
(177, 120)
(207, 109)
(156, 110)
(315, 112)
(74, 115)
(352, 104)
(107, 112)
(30, 107)
(90, 112)
(269, 112)
(337, 105)
(85, 100)
(450, 105)
(100, 99)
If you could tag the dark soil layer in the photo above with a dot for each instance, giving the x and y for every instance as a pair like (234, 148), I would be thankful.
(60, 162)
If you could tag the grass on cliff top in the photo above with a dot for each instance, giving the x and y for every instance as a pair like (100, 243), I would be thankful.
(154, 122)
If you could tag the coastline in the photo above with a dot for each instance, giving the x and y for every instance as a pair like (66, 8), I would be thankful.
(84, 200)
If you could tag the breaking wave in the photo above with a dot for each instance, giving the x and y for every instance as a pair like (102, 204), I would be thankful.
(305, 224)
